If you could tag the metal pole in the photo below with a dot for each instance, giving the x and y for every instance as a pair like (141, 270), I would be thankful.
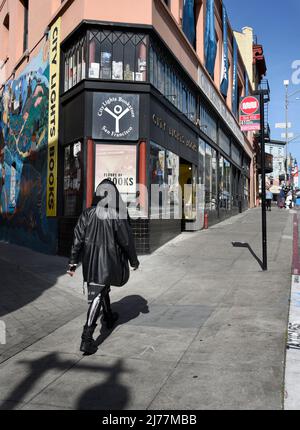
(286, 130)
(263, 185)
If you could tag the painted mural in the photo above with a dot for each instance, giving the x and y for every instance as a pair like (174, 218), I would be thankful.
(23, 157)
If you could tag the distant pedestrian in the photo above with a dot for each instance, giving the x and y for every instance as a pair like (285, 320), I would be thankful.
(281, 199)
(103, 235)
(269, 199)
(289, 201)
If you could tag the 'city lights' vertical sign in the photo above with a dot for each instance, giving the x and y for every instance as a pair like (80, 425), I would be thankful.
(53, 118)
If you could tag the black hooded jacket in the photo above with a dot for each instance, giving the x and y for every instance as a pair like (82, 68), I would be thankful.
(104, 238)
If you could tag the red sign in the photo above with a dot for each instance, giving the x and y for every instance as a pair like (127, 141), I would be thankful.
(250, 113)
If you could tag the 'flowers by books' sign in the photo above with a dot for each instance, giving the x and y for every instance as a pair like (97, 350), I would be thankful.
(250, 113)
(115, 116)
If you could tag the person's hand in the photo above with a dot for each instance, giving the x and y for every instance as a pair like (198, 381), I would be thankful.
(71, 270)
(136, 266)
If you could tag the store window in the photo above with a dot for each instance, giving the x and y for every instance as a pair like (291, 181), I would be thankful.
(210, 178)
(236, 187)
(164, 171)
(166, 78)
(208, 123)
(118, 164)
(73, 178)
(111, 55)
(224, 142)
(225, 195)
(202, 145)
(117, 55)
(246, 193)
(236, 154)
(75, 64)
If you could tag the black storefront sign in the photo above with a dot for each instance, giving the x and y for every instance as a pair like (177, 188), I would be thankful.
(115, 116)
(173, 134)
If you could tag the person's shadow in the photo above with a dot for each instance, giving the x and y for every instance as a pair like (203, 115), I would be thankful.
(128, 308)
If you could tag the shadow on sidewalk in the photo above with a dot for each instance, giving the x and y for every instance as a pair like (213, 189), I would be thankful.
(110, 394)
(247, 246)
(128, 308)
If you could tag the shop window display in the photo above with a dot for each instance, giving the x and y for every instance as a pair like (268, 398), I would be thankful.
(210, 178)
(225, 195)
(75, 64)
(73, 177)
(164, 168)
(113, 55)
(118, 164)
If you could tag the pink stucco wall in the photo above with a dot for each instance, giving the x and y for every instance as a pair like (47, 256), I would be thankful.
(166, 21)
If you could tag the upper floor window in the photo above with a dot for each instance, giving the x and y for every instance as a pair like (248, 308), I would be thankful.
(167, 79)
(117, 55)
(75, 63)
(6, 21)
(109, 55)
(25, 35)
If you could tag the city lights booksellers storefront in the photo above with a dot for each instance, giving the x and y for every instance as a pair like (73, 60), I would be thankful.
(128, 113)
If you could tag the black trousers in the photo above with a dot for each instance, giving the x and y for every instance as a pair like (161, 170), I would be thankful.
(101, 300)
(269, 203)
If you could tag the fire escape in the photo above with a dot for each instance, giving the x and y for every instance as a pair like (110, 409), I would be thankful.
(264, 88)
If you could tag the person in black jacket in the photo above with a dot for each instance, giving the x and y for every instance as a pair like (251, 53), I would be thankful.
(104, 240)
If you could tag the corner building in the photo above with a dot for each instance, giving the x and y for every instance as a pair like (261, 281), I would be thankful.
(149, 93)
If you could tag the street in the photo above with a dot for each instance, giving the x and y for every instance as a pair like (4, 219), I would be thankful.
(201, 326)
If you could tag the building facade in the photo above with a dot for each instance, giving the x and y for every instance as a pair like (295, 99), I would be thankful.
(145, 93)
(275, 179)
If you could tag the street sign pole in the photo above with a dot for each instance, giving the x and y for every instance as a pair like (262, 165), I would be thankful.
(263, 185)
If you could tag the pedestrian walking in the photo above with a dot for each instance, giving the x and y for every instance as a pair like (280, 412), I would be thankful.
(289, 201)
(281, 199)
(104, 238)
(269, 199)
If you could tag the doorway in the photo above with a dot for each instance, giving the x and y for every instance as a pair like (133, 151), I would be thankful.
(188, 183)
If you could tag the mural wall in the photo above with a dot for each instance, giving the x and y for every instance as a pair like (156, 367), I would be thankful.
(23, 157)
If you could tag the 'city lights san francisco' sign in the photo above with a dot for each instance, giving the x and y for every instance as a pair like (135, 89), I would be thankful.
(250, 113)
(53, 118)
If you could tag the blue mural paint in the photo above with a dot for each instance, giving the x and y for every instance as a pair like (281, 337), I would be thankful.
(23, 158)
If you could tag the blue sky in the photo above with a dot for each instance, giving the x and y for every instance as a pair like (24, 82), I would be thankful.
(276, 25)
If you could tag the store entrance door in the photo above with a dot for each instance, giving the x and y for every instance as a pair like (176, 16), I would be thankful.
(188, 183)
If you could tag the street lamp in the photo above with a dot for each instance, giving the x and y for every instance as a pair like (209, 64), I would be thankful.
(286, 83)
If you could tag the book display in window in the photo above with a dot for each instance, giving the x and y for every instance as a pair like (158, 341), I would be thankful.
(74, 70)
(94, 70)
(71, 73)
(105, 65)
(83, 67)
(117, 70)
(128, 74)
(66, 74)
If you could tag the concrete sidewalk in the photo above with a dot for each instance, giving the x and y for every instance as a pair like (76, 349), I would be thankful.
(201, 327)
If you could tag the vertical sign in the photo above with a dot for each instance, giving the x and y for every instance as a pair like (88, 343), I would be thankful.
(225, 64)
(53, 118)
(188, 21)
(235, 78)
(210, 43)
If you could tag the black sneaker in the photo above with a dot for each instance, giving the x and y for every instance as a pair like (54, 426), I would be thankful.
(88, 345)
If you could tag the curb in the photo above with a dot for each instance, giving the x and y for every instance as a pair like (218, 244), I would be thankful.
(296, 260)
(292, 364)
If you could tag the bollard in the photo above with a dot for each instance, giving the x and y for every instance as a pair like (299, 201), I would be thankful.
(206, 221)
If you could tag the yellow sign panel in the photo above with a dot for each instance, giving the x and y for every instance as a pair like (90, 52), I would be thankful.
(53, 118)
